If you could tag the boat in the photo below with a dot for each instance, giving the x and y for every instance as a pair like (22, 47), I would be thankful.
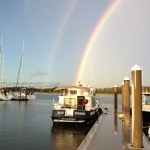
(22, 93)
(76, 105)
(4, 92)
(5, 95)
(146, 107)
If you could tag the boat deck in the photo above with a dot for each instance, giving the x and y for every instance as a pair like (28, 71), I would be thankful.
(110, 133)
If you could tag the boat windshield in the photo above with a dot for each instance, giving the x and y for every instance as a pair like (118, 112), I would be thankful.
(70, 102)
(146, 100)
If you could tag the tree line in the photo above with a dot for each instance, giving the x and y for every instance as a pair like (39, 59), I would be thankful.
(108, 90)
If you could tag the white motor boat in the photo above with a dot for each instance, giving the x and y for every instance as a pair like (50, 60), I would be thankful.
(76, 105)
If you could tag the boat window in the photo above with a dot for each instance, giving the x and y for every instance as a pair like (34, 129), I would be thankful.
(73, 92)
(147, 100)
(63, 92)
(71, 102)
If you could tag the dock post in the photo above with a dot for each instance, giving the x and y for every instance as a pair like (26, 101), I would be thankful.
(137, 131)
(126, 99)
(115, 98)
(115, 109)
(126, 111)
(123, 98)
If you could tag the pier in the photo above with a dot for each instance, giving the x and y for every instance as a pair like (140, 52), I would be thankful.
(115, 129)
(110, 133)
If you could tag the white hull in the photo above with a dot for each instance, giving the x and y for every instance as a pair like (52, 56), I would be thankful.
(31, 97)
(4, 97)
(22, 96)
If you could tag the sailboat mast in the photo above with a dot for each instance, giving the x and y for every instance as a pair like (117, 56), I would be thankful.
(20, 68)
(1, 61)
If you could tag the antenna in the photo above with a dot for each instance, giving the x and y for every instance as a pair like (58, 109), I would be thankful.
(91, 75)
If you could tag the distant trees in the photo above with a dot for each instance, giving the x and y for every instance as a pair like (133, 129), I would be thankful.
(108, 90)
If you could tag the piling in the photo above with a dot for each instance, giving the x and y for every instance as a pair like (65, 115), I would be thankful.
(123, 98)
(137, 131)
(115, 98)
(126, 99)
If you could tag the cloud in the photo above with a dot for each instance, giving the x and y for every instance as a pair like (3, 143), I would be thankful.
(40, 73)
(37, 84)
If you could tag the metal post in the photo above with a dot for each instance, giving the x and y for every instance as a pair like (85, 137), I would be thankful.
(115, 98)
(126, 100)
(137, 131)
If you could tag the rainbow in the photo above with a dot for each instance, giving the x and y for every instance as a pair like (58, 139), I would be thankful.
(62, 31)
(108, 12)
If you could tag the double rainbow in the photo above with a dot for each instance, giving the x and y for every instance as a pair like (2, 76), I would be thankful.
(109, 11)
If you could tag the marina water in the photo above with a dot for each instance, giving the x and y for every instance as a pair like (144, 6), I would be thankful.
(28, 125)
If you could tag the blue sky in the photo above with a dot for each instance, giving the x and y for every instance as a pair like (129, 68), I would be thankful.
(56, 32)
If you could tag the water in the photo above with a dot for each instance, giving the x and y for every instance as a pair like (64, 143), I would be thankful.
(28, 125)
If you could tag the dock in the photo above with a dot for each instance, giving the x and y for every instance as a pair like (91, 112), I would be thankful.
(116, 129)
(109, 132)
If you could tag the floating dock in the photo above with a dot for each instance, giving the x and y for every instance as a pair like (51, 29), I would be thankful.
(109, 132)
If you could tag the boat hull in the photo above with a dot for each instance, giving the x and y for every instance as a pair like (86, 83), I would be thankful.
(79, 117)
(4, 97)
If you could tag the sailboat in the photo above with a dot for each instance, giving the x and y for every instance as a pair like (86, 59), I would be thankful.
(23, 93)
(4, 93)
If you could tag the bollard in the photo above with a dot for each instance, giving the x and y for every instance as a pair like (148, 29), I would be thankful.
(126, 99)
(137, 131)
(115, 98)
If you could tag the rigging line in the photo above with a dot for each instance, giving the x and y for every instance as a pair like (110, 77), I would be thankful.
(20, 67)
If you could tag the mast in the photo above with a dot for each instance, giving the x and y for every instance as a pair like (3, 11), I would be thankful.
(20, 68)
(1, 61)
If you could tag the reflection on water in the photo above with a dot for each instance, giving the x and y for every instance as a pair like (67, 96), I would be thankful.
(115, 121)
(28, 125)
(68, 137)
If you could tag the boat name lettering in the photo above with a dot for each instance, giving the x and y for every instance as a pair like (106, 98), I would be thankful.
(79, 113)
(60, 112)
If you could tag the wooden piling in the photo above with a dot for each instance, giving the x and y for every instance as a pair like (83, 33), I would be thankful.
(123, 98)
(126, 99)
(137, 131)
(115, 98)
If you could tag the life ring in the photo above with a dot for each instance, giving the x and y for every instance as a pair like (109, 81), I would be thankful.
(85, 101)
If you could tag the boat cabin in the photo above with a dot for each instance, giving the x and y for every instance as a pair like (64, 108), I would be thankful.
(80, 98)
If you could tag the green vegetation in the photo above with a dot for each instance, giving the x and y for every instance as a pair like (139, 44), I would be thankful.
(98, 90)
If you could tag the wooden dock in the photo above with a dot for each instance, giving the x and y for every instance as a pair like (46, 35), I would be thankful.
(109, 132)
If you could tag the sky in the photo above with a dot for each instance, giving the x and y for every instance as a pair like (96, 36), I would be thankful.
(67, 41)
